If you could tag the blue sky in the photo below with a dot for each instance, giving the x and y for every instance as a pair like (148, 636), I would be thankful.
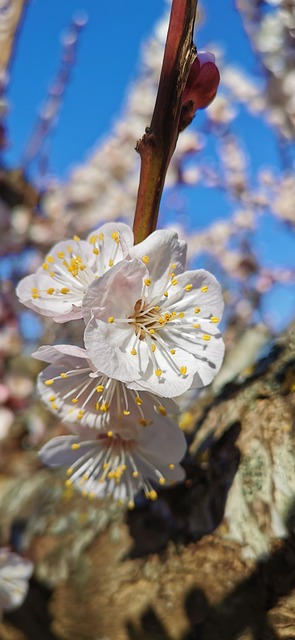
(107, 62)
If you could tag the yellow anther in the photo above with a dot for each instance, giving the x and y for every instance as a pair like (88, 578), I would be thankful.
(69, 471)
(91, 495)
(156, 307)
(174, 313)
(172, 351)
(196, 325)
(153, 347)
(174, 265)
(49, 382)
(45, 266)
(214, 319)
(138, 400)
(85, 476)
(75, 446)
(111, 319)
(111, 262)
(50, 259)
(135, 474)
(80, 414)
(35, 295)
(147, 282)
(181, 314)
(101, 236)
(63, 375)
(143, 422)
(133, 352)
(52, 274)
(188, 287)
(69, 249)
(60, 254)
(126, 413)
(162, 481)
(131, 505)
(197, 309)
(183, 370)
(93, 239)
(171, 466)
(161, 410)
(96, 406)
(75, 400)
(65, 290)
(52, 398)
(110, 434)
(145, 259)
(50, 291)
(165, 294)
(206, 337)
(172, 275)
(95, 251)
(105, 465)
(158, 372)
(68, 483)
(100, 388)
(104, 407)
(174, 282)
(151, 331)
(152, 495)
(76, 238)
(115, 236)
(204, 289)
(54, 406)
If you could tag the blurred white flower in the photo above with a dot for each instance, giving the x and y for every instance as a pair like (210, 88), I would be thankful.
(119, 463)
(15, 573)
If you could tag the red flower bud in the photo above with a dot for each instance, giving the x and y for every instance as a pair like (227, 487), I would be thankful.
(200, 89)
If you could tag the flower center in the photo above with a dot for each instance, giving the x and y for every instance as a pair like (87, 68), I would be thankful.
(147, 319)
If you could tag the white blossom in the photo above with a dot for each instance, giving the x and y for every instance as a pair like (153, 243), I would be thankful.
(57, 288)
(73, 389)
(153, 326)
(121, 462)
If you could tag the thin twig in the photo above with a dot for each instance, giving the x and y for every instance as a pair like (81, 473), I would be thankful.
(158, 144)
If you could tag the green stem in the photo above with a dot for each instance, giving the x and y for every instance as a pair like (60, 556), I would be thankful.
(158, 143)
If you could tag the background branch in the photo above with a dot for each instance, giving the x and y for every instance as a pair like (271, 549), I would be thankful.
(12, 18)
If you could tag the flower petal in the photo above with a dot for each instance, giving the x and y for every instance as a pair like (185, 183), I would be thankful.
(119, 289)
(164, 253)
(114, 240)
(110, 346)
(48, 353)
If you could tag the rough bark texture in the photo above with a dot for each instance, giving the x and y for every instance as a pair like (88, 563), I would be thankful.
(211, 560)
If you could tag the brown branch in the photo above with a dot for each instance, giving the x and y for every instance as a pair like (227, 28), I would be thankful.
(158, 144)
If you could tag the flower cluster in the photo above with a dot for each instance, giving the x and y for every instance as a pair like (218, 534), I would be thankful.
(150, 334)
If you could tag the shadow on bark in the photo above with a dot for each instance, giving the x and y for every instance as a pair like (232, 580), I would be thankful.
(243, 613)
(187, 512)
